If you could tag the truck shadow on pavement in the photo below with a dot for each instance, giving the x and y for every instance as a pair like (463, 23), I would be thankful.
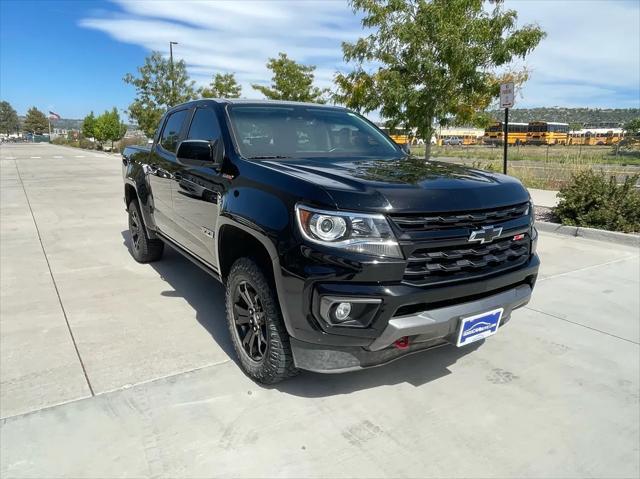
(206, 296)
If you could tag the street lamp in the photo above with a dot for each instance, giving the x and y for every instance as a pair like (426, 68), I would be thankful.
(173, 85)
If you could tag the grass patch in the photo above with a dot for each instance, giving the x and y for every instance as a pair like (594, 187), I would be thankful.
(547, 168)
(587, 155)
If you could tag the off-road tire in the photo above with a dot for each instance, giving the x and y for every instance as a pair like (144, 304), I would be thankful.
(277, 361)
(143, 249)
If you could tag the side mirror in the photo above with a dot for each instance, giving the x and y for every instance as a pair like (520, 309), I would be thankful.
(200, 153)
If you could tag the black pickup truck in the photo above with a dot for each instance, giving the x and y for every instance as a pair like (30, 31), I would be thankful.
(338, 250)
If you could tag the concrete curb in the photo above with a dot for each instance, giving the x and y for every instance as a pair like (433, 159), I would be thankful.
(590, 233)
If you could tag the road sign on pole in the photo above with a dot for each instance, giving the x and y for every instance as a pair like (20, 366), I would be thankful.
(507, 99)
(507, 95)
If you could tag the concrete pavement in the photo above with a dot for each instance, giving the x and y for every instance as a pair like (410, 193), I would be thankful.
(109, 368)
(546, 198)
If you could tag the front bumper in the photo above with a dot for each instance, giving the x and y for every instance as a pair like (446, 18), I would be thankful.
(426, 330)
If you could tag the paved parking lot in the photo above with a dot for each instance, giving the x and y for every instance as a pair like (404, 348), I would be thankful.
(110, 368)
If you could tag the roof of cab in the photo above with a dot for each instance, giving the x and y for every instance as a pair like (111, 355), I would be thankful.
(238, 101)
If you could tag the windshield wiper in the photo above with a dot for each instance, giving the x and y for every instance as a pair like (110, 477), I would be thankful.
(273, 157)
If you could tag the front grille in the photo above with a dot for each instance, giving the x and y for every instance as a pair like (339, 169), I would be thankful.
(451, 263)
(465, 220)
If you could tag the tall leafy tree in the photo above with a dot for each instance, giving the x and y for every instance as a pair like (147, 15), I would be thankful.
(158, 87)
(35, 122)
(632, 132)
(222, 86)
(9, 122)
(108, 127)
(632, 127)
(89, 126)
(430, 62)
(291, 81)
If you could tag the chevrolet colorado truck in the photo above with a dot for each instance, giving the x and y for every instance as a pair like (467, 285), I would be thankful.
(337, 250)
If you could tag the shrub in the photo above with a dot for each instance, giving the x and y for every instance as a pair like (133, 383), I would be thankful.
(594, 200)
(86, 144)
(59, 140)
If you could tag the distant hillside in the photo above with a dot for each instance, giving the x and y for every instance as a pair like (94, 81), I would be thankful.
(587, 116)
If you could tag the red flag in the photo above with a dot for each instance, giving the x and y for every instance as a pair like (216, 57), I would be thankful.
(53, 115)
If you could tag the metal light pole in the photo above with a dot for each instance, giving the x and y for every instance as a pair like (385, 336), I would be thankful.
(173, 84)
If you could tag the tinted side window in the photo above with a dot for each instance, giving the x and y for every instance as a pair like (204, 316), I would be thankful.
(171, 132)
(204, 125)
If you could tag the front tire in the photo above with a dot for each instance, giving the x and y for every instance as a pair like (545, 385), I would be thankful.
(143, 249)
(255, 324)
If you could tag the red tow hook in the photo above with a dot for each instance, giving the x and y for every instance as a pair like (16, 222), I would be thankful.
(402, 343)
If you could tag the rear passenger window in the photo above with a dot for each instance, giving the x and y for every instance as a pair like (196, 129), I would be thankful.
(171, 132)
(204, 125)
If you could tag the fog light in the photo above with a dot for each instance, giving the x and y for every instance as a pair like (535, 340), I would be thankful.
(342, 311)
(345, 311)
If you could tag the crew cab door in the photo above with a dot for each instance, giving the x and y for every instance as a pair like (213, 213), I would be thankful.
(198, 191)
(162, 168)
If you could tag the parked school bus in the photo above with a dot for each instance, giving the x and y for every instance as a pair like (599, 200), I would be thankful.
(596, 136)
(400, 137)
(577, 137)
(458, 140)
(494, 134)
(547, 133)
(615, 136)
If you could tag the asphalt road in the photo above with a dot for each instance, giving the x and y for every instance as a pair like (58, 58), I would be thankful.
(110, 368)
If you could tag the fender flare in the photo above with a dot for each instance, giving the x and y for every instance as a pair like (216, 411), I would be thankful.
(265, 241)
(144, 200)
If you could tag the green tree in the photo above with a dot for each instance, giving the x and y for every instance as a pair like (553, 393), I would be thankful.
(432, 62)
(89, 126)
(158, 87)
(632, 127)
(291, 81)
(108, 127)
(631, 134)
(35, 122)
(575, 126)
(222, 86)
(9, 122)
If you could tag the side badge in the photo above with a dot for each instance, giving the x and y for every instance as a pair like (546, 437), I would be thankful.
(206, 232)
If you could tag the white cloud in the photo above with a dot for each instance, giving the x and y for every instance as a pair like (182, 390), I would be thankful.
(591, 56)
(236, 36)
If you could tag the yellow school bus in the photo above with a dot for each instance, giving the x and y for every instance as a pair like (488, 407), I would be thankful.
(596, 136)
(400, 137)
(615, 136)
(494, 134)
(577, 137)
(452, 139)
(547, 133)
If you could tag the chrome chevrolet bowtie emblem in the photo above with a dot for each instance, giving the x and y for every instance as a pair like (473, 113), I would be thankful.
(486, 234)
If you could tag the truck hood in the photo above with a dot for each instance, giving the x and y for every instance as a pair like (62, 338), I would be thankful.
(407, 185)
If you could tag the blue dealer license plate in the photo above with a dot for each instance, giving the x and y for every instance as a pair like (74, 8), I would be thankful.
(479, 326)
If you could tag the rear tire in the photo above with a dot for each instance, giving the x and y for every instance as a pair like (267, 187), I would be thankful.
(143, 249)
(255, 324)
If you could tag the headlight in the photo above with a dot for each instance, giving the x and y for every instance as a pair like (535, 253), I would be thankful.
(360, 233)
(531, 210)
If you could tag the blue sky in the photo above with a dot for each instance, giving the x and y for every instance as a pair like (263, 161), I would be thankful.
(70, 56)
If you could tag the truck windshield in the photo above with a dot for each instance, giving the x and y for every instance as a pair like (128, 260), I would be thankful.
(283, 131)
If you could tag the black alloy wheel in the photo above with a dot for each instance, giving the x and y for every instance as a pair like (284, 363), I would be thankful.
(134, 229)
(143, 248)
(250, 321)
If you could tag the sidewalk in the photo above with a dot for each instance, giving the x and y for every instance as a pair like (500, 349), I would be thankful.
(546, 198)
